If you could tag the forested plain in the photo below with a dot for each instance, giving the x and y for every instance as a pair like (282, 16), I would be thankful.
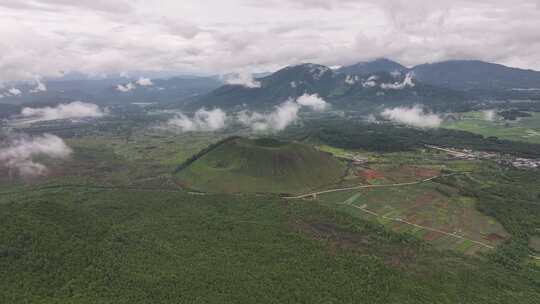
(144, 241)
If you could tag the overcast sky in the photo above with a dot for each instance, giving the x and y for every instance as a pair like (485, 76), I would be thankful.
(44, 37)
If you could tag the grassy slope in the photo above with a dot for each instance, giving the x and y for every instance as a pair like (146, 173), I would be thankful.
(83, 246)
(243, 165)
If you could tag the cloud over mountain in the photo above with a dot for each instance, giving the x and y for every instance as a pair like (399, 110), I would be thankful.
(242, 78)
(40, 87)
(407, 82)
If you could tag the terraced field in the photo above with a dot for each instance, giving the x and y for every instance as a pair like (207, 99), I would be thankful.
(433, 211)
(447, 222)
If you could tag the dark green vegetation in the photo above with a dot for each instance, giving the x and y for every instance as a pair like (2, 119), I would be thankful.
(262, 165)
(513, 114)
(513, 198)
(510, 196)
(87, 246)
(110, 225)
(388, 138)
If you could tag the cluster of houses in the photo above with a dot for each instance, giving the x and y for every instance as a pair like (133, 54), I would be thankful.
(466, 154)
(522, 163)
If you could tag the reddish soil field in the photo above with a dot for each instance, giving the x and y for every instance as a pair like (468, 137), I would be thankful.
(369, 174)
(431, 236)
(420, 172)
(493, 237)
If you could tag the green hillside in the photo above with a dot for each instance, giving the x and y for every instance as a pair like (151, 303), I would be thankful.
(261, 165)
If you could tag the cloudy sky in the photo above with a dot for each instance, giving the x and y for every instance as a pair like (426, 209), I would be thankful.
(41, 38)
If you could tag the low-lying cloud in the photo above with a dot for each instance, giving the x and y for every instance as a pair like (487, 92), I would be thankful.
(283, 114)
(125, 88)
(277, 120)
(145, 82)
(202, 121)
(313, 101)
(73, 110)
(242, 78)
(414, 116)
(40, 87)
(489, 115)
(17, 153)
(14, 91)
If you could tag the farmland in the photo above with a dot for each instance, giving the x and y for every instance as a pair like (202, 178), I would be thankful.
(112, 223)
(525, 129)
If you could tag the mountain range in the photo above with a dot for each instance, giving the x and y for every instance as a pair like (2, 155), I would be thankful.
(450, 85)
(174, 90)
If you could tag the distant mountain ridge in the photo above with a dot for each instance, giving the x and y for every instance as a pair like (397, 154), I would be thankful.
(455, 74)
(372, 67)
(289, 82)
(106, 90)
(449, 84)
(452, 84)
(342, 90)
(475, 74)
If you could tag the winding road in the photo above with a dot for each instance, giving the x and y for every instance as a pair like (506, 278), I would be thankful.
(314, 194)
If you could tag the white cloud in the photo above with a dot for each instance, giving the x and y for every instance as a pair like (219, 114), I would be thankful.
(313, 101)
(73, 110)
(125, 88)
(349, 79)
(242, 78)
(17, 153)
(14, 91)
(489, 115)
(282, 116)
(414, 116)
(40, 87)
(145, 82)
(202, 121)
(370, 82)
(372, 119)
(406, 83)
(105, 37)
